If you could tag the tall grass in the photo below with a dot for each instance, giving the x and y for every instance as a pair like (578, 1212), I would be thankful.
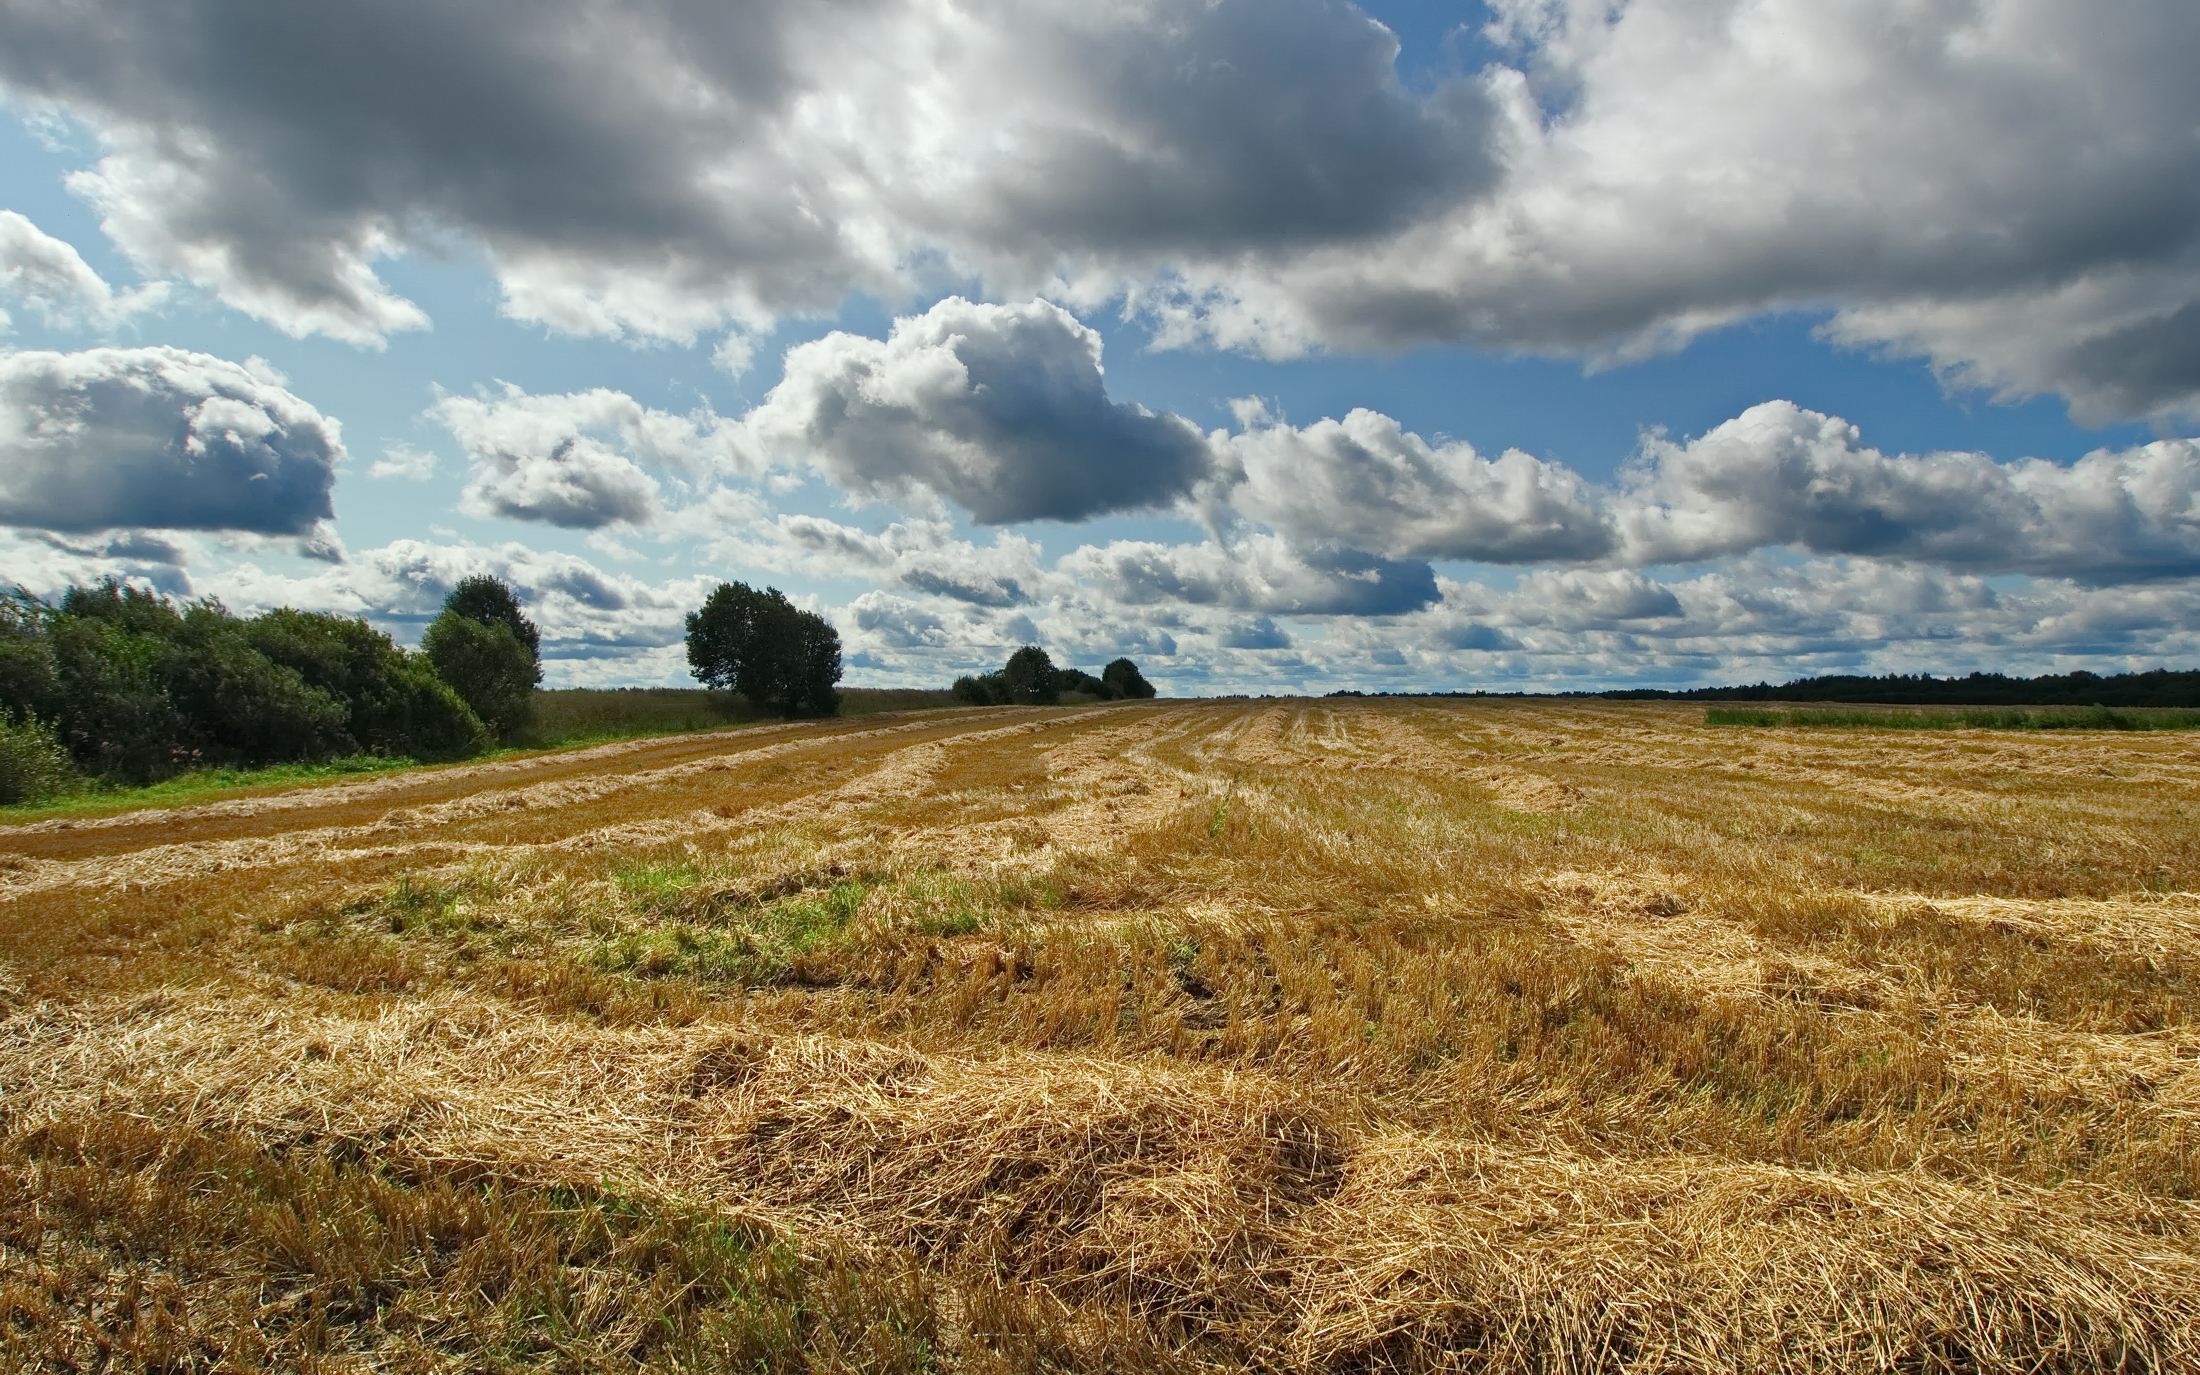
(579, 716)
(582, 716)
(1969, 718)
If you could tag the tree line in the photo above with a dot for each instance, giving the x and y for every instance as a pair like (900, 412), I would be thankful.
(122, 685)
(1030, 678)
(116, 683)
(2154, 688)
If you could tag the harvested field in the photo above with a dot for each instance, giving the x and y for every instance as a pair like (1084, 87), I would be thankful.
(1310, 1036)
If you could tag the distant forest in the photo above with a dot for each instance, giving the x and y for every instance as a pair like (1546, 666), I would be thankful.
(2155, 688)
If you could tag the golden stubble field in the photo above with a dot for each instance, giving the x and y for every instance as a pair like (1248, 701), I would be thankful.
(1310, 1036)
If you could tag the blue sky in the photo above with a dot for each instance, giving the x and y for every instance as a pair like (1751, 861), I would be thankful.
(1665, 343)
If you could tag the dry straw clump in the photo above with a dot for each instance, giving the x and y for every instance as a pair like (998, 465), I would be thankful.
(1312, 1037)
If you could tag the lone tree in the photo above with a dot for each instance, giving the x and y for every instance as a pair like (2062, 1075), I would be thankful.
(489, 652)
(1125, 680)
(783, 659)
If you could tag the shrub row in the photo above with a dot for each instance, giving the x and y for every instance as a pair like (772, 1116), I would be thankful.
(1030, 677)
(122, 684)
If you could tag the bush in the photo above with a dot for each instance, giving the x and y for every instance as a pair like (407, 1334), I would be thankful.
(985, 690)
(33, 765)
(1030, 678)
(243, 707)
(1077, 680)
(30, 685)
(396, 703)
(137, 688)
(1123, 676)
(783, 659)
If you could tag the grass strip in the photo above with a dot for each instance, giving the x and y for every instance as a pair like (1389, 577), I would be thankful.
(1970, 718)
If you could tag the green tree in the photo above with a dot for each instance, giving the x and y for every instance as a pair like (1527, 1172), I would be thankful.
(1029, 677)
(783, 659)
(30, 683)
(481, 664)
(1123, 676)
(489, 600)
(488, 667)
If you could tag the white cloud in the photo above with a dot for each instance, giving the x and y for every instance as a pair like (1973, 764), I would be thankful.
(2008, 187)
(574, 459)
(1365, 481)
(160, 438)
(1000, 409)
(1260, 573)
(404, 461)
(1754, 619)
(659, 168)
(49, 275)
(1672, 165)
(1781, 475)
(915, 555)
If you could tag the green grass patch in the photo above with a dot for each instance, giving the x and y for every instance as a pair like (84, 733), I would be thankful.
(208, 785)
(658, 889)
(1968, 718)
(423, 907)
(733, 942)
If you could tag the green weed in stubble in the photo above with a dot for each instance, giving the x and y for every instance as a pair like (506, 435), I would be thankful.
(759, 945)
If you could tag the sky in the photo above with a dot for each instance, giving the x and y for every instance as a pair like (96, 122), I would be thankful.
(1279, 345)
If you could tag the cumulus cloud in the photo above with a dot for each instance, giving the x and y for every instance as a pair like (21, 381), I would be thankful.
(1778, 475)
(1261, 573)
(2009, 188)
(159, 438)
(659, 168)
(1003, 412)
(916, 555)
(50, 276)
(1781, 475)
(1001, 409)
(570, 459)
(1365, 481)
